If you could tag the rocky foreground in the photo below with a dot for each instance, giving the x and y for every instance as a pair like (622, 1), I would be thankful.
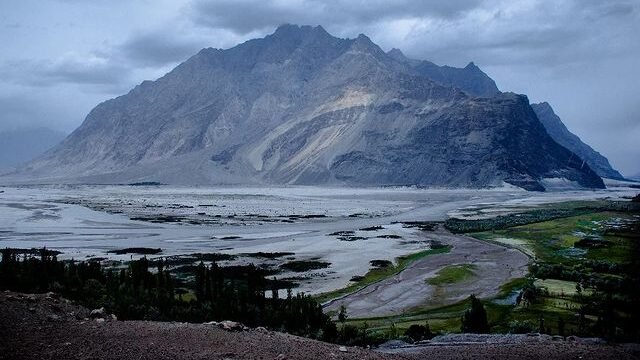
(49, 327)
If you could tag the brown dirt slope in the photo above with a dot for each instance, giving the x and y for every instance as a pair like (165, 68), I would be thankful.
(48, 327)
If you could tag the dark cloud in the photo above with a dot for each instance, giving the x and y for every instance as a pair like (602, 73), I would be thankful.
(244, 16)
(158, 48)
(91, 70)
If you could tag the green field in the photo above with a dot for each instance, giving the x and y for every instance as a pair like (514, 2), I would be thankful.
(553, 241)
(452, 274)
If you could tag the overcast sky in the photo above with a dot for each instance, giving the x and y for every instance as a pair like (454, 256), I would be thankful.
(60, 58)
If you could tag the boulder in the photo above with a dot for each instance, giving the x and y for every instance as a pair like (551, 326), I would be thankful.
(231, 326)
(98, 313)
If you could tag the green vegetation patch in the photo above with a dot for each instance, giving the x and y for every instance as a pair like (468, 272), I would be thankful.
(452, 274)
(562, 240)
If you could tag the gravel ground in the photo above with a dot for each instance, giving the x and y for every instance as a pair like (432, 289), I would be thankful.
(48, 327)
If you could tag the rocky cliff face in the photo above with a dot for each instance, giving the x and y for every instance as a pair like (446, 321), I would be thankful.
(303, 107)
(559, 132)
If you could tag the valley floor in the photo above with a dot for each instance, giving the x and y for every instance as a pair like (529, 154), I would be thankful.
(347, 228)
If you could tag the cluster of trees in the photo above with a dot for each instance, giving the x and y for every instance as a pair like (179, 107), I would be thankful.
(147, 290)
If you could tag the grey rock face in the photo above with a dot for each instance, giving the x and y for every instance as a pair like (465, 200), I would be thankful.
(303, 107)
(559, 132)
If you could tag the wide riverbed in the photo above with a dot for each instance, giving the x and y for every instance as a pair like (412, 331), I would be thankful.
(86, 222)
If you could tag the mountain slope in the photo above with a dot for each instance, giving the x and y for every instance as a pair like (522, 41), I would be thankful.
(564, 137)
(303, 107)
(21, 145)
(469, 79)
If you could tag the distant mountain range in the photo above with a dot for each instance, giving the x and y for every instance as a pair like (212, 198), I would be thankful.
(303, 107)
(17, 146)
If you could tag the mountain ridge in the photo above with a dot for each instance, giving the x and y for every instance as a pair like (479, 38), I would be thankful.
(300, 106)
(559, 132)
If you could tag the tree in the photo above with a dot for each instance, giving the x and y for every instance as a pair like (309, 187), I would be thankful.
(474, 319)
(342, 315)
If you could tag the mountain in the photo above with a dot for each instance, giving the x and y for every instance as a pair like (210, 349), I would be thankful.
(469, 79)
(21, 145)
(303, 107)
(559, 132)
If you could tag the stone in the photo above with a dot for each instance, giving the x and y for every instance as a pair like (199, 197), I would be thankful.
(342, 349)
(98, 313)
(231, 325)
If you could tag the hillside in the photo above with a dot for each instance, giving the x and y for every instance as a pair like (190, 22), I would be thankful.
(48, 327)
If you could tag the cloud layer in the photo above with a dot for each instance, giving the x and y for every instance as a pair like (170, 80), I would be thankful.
(579, 55)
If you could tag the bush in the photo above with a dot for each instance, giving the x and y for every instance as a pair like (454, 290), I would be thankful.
(521, 327)
(419, 332)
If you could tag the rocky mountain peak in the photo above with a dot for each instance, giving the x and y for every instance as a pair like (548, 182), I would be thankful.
(398, 55)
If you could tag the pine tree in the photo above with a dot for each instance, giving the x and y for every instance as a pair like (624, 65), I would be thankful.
(474, 319)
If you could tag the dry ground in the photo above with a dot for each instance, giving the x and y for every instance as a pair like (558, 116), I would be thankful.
(48, 327)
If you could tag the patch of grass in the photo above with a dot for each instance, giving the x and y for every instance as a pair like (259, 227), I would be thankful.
(559, 288)
(452, 274)
(513, 285)
(377, 274)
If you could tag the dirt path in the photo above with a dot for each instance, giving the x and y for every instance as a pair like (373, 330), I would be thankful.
(494, 266)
